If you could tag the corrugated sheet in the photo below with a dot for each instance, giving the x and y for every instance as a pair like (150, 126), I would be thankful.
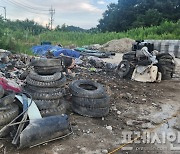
(167, 46)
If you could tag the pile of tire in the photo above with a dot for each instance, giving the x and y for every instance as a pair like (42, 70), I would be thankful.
(46, 86)
(166, 65)
(89, 98)
(8, 110)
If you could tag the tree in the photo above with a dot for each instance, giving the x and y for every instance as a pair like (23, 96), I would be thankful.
(127, 14)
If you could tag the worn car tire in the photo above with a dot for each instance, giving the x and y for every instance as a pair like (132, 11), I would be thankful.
(90, 112)
(45, 78)
(52, 84)
(7, 99)
(46, 62)
(163, 56)
(129, 56)
(47, 95)
(50, 70)
(4, 132)
(123, 68)
(166, 65)
(40, 89)
(47, 104)
(61, 109)
(92, 102)
(87, 88)
(167, 73)
(8, 115)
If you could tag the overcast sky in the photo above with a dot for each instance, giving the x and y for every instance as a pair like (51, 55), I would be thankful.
(82, 13)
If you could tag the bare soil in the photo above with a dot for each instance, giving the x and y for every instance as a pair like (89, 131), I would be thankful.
(135, 106)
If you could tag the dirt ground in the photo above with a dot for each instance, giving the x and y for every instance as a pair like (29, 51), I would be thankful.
(135, 106)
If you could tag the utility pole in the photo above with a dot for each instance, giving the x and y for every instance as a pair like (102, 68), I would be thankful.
(51, 12)
(4, 11)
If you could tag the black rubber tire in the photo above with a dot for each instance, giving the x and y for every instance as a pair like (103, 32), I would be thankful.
(52, 84)
(46, 96)
(1, 91)
(24, 75)
(48, 70)
(90, 112)
(7, 99)
(163, 55)
(129, 56)
(45, 78)
(91, 102)
(8, 115)
(61, 109)
(46, 62)
(166, 73)
(47, 104)
(41, 89)
(5, 132)
(166, 61)
(97, 92)
(123, 68)
(166, 65)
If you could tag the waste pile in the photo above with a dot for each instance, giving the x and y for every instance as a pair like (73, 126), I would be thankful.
(46, 86)
(89, 98)
(146, 64)
(12, 66)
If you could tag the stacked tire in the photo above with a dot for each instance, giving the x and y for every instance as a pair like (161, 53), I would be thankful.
(89, 98)
(46, 86)
(166, 65)
(8, 110)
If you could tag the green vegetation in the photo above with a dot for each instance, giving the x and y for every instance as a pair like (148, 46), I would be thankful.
(129, 14)
(22, 41)
(167, 30)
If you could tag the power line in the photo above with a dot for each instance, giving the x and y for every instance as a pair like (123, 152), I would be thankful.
(13, 3)
(30, 7)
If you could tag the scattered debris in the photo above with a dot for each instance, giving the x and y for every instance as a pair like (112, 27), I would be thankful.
(109, 128)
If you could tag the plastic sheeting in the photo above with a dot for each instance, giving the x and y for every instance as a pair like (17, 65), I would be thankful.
(56, 50)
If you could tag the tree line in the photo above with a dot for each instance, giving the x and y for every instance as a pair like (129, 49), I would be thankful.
(128, 14)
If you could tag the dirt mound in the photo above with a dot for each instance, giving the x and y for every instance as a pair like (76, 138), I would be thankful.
(121, 45)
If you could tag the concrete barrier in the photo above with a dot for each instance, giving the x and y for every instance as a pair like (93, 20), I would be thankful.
(167, 46)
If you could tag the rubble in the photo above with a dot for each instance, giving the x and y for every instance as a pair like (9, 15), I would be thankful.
(121, 45)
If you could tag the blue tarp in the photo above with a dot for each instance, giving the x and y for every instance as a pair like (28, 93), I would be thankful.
(56, 50)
